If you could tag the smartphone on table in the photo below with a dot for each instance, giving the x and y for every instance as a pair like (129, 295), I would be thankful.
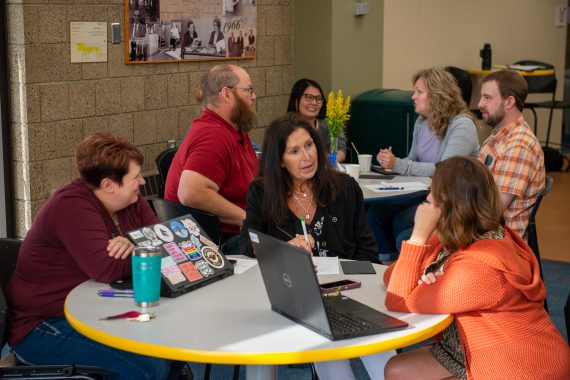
(329, 287)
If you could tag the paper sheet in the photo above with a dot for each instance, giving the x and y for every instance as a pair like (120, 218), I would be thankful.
(396, 186)
(326, 265)
(243, 264)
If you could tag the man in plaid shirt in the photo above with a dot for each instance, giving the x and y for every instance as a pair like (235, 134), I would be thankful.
(512, 152)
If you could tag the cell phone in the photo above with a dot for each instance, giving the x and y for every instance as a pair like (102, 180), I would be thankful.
(329, 287)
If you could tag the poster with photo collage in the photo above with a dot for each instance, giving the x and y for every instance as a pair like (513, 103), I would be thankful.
(189, 30)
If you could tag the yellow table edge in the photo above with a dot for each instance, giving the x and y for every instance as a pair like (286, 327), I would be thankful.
(523, 73)
(262, 358)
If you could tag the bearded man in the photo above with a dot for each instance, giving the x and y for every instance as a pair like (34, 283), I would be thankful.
(213, 167)
(512, 153)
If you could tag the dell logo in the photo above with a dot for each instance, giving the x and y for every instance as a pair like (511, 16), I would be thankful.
(287, 280)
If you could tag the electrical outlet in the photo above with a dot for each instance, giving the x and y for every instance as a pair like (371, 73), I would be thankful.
(560, 15)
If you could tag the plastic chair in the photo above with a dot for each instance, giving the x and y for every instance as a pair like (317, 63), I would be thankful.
(531, 228)
(166, 210)
(163, 162)
(463, 80)
(9, 249)
(543, 84)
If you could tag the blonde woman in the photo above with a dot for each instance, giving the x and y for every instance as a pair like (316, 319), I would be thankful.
(444, 128)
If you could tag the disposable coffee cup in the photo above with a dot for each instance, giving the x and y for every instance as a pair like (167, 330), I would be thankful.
(365, 160)
(146, 275)
(353, 170)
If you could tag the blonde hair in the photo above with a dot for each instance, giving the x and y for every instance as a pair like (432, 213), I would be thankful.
(444, 99)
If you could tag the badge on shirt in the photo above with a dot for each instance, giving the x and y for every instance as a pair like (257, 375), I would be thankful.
(488, 160)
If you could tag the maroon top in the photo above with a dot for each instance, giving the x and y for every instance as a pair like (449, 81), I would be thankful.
(216, 150)
(66, 246)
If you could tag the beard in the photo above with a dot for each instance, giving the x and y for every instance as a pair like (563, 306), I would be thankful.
(243, 115)
(495, 119)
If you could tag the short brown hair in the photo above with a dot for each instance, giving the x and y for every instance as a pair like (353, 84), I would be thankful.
(214, 81)
(510, 83)
(105, 156)
(465, 192)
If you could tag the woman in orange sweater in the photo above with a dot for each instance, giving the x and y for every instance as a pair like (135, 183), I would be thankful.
(462, 260)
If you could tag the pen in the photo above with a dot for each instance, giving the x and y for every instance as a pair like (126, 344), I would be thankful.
(115, 293)
(391, 188)
(305, 231)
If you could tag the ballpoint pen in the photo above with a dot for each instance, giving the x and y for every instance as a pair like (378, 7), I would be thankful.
(390, 188)
(116, 293)
(305, 231)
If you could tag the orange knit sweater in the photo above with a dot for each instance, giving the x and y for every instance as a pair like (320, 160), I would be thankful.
(494, 290)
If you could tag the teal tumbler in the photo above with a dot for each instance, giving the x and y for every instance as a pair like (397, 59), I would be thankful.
(146, 275)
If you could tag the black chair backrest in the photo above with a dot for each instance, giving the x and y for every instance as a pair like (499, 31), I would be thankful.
(166, 210)
(163, 161)
(531, 228)
(463, 81)
(9, 249)
(567, 316)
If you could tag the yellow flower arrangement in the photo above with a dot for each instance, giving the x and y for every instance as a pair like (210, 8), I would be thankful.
(337, 113)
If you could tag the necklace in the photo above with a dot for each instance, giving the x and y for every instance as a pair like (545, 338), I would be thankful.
(304, 195)
(306, 209)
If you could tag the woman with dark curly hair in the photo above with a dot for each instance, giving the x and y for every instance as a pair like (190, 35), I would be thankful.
(462, 260)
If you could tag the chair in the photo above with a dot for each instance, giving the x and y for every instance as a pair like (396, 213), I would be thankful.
(531, 228)
(163, 161)
(567, 317)
(543, 84)
(9, 249)
(166, 210)
(463, 80)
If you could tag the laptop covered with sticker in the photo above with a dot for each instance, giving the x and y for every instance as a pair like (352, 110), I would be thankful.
(190, 259)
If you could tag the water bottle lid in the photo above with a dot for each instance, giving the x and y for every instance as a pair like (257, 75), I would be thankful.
(147, 251)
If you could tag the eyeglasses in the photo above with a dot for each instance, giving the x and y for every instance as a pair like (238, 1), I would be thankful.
(313, 98)
(248, 89)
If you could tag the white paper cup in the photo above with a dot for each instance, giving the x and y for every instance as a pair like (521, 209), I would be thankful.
(353, 170)
(365, 160)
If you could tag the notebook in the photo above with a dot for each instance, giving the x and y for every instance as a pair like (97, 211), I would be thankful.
(190, 259)
(294, 292)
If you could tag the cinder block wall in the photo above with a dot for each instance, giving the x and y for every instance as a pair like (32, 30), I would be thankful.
(55, 104)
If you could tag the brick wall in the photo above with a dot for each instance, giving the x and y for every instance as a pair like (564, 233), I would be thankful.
(55, 104)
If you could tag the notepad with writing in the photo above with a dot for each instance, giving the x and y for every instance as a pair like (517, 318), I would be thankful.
(357, 267)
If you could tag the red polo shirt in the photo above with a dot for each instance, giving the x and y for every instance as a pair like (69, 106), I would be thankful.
(215, 149)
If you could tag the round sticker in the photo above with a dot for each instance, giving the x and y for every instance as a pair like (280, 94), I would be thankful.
(178, 229)
(163, 232)
(212, 257)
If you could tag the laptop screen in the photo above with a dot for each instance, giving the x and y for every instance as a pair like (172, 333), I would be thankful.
(189, 258)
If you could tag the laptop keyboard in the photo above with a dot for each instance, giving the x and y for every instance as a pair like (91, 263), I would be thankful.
(343, 323)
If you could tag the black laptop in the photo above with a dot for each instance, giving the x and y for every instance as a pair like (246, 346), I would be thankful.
(294, 292)
(190, 259)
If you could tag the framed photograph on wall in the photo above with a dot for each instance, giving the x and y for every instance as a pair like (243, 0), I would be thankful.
(189, 30)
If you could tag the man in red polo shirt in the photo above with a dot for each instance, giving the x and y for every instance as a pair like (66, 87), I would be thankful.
(213, 167)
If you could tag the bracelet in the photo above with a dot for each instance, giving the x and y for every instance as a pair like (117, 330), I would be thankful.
(417, 243)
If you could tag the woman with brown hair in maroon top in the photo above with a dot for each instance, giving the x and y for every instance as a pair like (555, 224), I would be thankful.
(78, 235)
